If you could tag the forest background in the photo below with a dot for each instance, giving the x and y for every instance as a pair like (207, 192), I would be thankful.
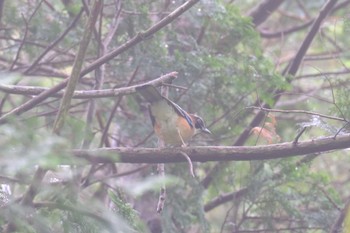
(269, 77)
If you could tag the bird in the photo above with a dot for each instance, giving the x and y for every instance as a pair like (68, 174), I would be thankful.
(173, 125)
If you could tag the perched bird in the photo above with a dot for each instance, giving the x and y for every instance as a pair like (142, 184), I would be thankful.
(171, 123)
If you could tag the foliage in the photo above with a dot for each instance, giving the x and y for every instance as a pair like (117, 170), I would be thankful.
(225, 64)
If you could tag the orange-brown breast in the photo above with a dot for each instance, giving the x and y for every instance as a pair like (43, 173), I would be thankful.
(170, 133)
(186, 130)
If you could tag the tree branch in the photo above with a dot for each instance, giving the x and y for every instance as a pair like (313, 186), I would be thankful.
(54, 43)
(132, 42)
(30, 90)
(290, 70)
(223, 198)
(293, 68)
(269, 35)
(291, 111)
(214, 153)
(44, 93)
(264, 10)
(337, 226)
(77, 66)
(140, 36)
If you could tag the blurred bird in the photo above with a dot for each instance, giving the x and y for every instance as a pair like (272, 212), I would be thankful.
(171, 123)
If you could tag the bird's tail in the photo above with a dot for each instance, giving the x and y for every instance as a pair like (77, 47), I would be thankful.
(150, 93)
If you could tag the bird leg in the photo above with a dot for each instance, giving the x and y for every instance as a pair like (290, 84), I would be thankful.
(182, 140)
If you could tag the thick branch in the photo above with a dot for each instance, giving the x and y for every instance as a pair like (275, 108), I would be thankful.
(269, 35)
(264, 10)
(310, 37)
(214, 153)
(338, 225)
(290, 70)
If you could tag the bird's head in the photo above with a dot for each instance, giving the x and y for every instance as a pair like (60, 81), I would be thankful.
(199, 124)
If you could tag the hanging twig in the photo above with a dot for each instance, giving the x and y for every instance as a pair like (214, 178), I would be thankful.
(161, 166)
(189, 162)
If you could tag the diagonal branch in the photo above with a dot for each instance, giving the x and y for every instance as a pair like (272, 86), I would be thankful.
(26, 22)
(78, 63)
(53, 44)
(293, 68)
(140, 36)
(264, 10)
(269, 35)
(40, 172)
(224, 198)
(339, 223)
(132, 42)
(290, 70)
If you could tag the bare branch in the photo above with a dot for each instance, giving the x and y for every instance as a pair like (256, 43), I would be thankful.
(132, 42)
(264, 10)
(223, 198)
(293, 68)
(78, 63)
(296, 139)
(140, 36)
(26, 22)
(214, 153)
(53, 44)
(54, 91)
(290, 70)
(114, 110)
(299, 111)
(285, 32)
(337, 226)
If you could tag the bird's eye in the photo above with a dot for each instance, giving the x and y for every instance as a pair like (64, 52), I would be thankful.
(199, 123)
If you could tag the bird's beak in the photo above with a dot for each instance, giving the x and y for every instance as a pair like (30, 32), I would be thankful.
(205, 130)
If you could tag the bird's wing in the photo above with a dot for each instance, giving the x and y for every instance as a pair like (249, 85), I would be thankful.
(151, 94)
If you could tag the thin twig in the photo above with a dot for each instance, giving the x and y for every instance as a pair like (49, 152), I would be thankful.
(21, 44)
(298, 111)
(73, 209)
(54, 43)
(115, 107)
(117, 175)
(341, 129)
(32, 190)
(162, 193)
(26, 22)
(141, 36)
(189, 162)
(295, 141)
(161, 166)
(124, 47)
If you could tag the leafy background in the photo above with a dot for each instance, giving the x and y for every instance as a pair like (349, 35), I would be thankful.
(227, 61)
